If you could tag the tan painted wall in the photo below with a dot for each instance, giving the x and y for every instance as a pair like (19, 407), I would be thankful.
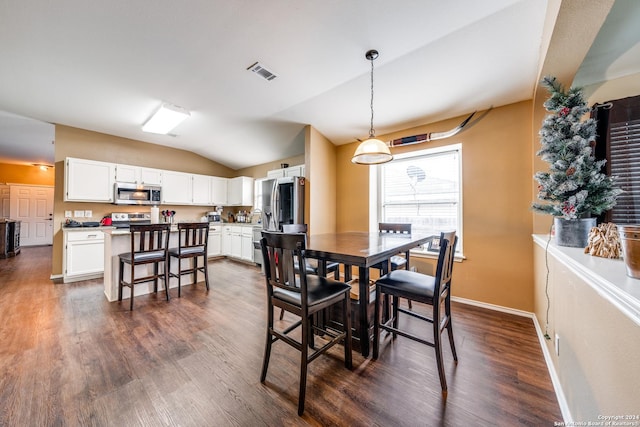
(83, 144)
(21, 174)
(321, 173)
(260, 171)
(496, 198)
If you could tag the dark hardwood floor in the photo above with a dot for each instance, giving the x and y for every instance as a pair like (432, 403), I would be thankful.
(70, 358)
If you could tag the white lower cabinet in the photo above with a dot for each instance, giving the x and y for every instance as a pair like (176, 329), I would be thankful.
(214, 247)
(83, 255)
(247, 244)
(237, 242)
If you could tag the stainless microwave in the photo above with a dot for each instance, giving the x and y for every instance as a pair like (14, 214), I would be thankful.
(125, 193)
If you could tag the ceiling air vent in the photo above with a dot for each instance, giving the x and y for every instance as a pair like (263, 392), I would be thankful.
(261, 71)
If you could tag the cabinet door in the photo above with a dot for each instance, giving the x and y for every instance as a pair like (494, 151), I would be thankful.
(240, 191)
(176, 188)
(201, 190)
(214, 247)
(150, 176)
(85, 256)
(247, 247)
(218, 190)
(294, 171)
(88, 181)
(226, 241)
(127, 173)
(236, 242)
(276, 173)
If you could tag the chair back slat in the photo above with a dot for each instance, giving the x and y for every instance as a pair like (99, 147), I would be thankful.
(149, 237)
(389, 227)
(281, 253)
(193, 234)
(444, 269)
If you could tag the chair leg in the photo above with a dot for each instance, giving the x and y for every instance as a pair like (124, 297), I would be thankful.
(267, 347)
(179, 277)
(346, 322)
(437, 341)
(120, 279)
(447, 312)
(396, 302)
(155, 277)
(206, 272)
(281, 313)
(132, 286)
(195, 270)
(167, 277)
(376, 323)
(304, 359)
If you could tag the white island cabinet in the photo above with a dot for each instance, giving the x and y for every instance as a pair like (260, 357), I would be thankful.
(88, 181)
(83, 254)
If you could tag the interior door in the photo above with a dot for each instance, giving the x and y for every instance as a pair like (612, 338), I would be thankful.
(33, 205)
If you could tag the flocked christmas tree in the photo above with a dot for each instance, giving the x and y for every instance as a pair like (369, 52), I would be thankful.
(574, 186)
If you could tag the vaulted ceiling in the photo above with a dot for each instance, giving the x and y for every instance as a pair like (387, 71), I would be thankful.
(106, 67)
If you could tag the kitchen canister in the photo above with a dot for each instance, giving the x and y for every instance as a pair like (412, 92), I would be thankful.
(630, 240)
(155, 215)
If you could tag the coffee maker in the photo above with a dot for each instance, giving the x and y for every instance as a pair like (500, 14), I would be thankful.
(213, 216)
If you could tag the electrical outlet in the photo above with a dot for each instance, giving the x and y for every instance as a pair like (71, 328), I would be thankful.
(557, 345)
(67, 214)
(78, 214)
(88, 214)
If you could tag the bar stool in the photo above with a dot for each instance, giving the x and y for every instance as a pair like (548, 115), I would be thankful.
(193, 238)
(149, 243)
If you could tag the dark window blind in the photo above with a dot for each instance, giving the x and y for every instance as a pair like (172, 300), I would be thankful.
(624, 156)
(618, 142)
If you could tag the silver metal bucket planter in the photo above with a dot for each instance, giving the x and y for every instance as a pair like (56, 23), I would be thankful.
(573, 232)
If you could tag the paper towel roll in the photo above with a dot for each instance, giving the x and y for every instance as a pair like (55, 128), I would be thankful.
(155, 215)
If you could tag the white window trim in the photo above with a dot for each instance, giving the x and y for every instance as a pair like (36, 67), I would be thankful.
(375, 178)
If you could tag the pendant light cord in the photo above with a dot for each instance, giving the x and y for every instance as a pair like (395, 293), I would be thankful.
(372, 132)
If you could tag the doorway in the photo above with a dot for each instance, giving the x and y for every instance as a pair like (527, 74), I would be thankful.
(33, 205)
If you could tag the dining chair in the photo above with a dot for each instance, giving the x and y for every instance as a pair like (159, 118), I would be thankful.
(396, 261)
(432, 290)
(311, 264)
(302, 294)
(149, 243)
(193, 238)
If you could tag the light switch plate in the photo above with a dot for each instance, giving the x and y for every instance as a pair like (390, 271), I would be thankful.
(67, 214)
(88, 214)
(78, 214)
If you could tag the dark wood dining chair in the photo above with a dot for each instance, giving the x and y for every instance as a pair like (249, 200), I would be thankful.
(311, 264)
(193, 239)
(149, 243)
(302, 294)
(418, 287)
(396, 261)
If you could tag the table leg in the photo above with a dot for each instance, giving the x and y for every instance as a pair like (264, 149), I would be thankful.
(363, 274)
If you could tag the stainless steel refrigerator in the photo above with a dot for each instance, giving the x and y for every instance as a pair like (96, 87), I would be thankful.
(282, 202)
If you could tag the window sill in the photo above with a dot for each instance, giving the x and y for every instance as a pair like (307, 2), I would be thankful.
(608, 277)
(434, 255)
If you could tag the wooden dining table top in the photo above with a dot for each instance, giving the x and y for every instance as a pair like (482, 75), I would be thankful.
(361, 248)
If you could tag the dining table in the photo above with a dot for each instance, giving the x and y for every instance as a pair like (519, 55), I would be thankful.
(363, 250)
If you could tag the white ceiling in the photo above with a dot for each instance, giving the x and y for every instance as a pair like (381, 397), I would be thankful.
(107, 66)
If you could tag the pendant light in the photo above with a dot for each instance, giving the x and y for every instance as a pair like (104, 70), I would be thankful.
(372, 151)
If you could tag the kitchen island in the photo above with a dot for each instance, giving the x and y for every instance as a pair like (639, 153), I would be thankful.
(117, 241)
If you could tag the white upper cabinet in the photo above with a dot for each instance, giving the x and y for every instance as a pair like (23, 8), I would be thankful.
(88, 181)
(177, 188)
(218, 190)
(290, 171)
(138, 175)
(201, 190)
(240, 191)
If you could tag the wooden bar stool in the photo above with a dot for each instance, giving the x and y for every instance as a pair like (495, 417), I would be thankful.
(193, 238)
(149, 245)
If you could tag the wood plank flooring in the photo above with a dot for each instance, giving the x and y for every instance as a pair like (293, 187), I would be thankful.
(68, 357)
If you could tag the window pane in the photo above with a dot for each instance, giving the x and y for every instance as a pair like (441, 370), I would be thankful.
(423, 190)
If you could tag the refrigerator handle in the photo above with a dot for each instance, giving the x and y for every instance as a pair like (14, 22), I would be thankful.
(275, 206)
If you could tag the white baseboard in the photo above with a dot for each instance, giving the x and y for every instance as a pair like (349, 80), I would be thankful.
(56, 276)
(555, 380)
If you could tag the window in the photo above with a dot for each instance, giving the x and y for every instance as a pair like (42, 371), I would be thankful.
(257, 193)
(619, 143)
(423, 188)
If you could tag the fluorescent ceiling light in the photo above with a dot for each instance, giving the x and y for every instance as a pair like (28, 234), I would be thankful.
(166, 118)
